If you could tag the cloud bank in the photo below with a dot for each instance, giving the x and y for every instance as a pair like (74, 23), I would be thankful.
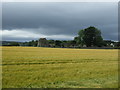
(27, 21)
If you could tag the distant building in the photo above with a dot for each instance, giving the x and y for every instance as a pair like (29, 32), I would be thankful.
(112, 45)
(84, 46)
(42, 42)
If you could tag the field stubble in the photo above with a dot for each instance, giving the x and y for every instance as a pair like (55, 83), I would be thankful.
(35, 67)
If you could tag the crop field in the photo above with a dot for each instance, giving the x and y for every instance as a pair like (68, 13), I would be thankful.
(37, 67)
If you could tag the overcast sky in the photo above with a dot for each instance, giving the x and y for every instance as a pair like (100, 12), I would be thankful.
(23, 21)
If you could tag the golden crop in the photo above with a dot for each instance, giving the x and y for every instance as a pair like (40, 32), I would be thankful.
(36, 67)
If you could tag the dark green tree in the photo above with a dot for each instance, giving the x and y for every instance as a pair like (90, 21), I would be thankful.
(58, 43)
(73, 43)
(51, 41)
(63, 44)
(14, 44)
(76, 39)
(90, 36)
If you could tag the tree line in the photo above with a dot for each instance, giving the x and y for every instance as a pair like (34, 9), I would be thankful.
(88, 37)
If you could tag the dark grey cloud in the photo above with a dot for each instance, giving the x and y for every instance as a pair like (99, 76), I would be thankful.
(61, 18)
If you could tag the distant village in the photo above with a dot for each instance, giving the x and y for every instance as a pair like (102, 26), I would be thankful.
(43, 42)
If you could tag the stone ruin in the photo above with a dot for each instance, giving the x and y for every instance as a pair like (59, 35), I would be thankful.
(42, 42)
